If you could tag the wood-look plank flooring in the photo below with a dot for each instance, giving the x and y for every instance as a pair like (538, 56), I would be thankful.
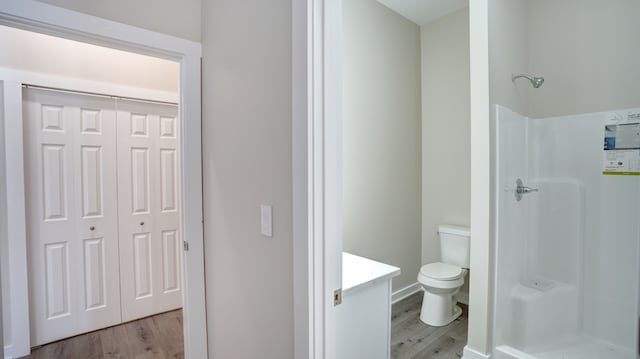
(158, 337)
(412, 339)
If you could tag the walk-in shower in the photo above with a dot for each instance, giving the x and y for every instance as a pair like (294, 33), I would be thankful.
(567, 247)
(566, 258)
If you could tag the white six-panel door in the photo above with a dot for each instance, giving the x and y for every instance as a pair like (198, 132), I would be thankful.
(150, 247)
(72, 214)
(102, 203)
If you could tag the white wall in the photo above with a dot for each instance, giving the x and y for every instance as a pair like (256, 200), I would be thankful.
(588, 64)
(446, 167)
(33, 52)
(247, 161)
(508, 54)
(177, 18)
(381, 137)
(587, 51)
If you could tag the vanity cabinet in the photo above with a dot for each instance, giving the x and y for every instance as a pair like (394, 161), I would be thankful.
(364, 317)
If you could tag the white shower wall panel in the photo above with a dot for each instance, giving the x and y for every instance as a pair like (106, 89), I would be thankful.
(570, 147)
(556, 222)
(511, 150)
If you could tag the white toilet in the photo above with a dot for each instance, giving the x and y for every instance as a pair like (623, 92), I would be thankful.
(442, 280)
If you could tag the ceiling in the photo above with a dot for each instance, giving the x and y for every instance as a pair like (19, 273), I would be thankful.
(423, 12)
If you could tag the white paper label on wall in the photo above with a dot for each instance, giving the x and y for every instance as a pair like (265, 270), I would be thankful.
(622, 143)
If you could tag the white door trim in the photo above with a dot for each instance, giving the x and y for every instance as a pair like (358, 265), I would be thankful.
(317, 174)
(16, 223)
(44, 18)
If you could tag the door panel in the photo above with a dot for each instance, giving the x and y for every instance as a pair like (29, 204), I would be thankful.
(168, 180)
(57, 279)
(70, 167)
(150, 248)
(171, 261)
(54, 183)
(94, 277)
(142, 265)
(140, 180)
(92, 172)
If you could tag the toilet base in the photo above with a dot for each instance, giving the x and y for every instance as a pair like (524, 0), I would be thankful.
(439, 309)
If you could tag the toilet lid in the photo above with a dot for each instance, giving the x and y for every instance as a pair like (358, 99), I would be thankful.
(441, 271)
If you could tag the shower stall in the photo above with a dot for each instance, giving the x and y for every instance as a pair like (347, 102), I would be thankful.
(566, 178)
(567, 250)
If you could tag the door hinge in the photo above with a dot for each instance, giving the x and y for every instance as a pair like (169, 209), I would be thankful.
(337, 297)
(185, 245)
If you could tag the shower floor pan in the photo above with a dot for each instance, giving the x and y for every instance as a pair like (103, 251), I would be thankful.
(545, 324)
(575, 348)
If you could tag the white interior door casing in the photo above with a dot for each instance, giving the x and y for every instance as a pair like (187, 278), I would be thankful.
(70, 168)
(150, 245)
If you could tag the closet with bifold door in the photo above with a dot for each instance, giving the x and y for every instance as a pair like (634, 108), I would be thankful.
(102, 196)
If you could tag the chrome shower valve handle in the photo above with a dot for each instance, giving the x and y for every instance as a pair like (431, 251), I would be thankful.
(521, 189)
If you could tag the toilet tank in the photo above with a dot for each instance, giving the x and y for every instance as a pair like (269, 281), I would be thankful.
(454, 245)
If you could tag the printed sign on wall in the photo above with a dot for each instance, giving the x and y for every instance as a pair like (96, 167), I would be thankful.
(622, 143)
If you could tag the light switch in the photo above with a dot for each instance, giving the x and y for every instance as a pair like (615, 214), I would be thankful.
(266, 220)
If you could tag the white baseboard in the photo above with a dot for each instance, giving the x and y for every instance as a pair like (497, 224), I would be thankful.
(403, 293)
(472, 354)
(416, 287)
(463, 298)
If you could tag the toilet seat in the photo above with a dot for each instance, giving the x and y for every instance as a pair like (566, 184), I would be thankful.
(432, 275)
(441, 271)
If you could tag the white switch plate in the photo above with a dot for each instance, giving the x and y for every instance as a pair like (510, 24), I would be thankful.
(266, 220)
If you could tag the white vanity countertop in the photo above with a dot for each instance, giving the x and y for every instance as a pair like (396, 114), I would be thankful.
(359, 272)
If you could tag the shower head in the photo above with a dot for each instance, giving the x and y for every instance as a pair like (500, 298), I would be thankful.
(536, 82)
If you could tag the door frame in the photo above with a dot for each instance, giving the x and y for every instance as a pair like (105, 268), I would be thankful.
(317, 174)
(317, 27)
(52, 20)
